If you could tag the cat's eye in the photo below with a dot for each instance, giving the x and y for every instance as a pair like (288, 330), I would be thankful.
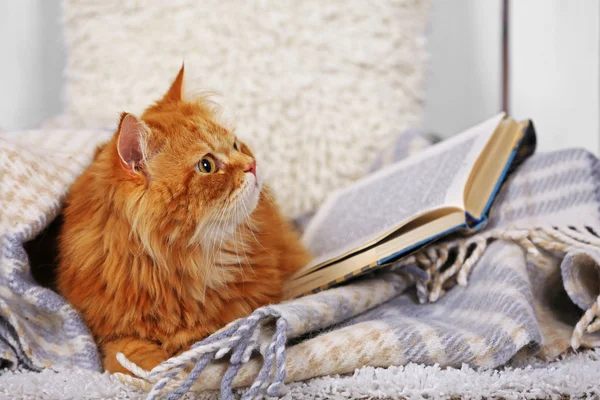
(207, 165)
(235, 146)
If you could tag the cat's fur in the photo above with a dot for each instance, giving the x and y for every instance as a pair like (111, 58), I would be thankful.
(156, 254)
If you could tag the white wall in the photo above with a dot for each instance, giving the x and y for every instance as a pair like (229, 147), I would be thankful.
(463, 86)
(31, 62)
(555, 70)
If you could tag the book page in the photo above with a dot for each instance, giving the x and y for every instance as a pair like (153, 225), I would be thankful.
(374, 207)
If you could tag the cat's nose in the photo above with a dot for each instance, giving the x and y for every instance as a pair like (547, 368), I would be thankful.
(251, 168)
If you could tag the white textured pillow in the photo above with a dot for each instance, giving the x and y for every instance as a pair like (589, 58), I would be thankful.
(316, 88)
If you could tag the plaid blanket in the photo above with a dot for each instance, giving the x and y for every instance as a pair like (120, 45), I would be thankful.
(526, 284)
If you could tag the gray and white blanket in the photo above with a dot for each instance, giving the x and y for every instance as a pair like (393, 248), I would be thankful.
(526, 284)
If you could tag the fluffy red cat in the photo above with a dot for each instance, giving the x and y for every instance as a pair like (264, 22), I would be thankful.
(169, 234)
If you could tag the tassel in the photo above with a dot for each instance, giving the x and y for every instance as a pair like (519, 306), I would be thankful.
(594, 326)
(423, 285)
(280, 372)
(480, 246)
(436, 290)
(132, 367)
(583, 324)
(190, 379)
(239, 338)
(532, 240)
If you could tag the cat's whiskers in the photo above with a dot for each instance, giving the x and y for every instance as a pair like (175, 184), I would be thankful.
(215, 233)
(227, 233)
(249, 221)
(243, 243)
(235, 229)
(193, 253)
(213, 251)
(205, 236)
(207, 255)
(241, 267)
(269, 197)
(248, 218)
(239, 193)
(220, 251)
(200, 229)
(248, 263)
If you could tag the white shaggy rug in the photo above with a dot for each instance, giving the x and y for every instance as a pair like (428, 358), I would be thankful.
(316, 88)
(574, 376)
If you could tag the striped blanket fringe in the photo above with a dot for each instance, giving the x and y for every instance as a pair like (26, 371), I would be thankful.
(440, 267)
(438, 276)
(240, 338)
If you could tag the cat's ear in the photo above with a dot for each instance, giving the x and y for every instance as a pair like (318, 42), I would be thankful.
(132, 142)
(175, 92)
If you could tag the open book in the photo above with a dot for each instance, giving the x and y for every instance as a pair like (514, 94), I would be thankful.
(387, 215)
